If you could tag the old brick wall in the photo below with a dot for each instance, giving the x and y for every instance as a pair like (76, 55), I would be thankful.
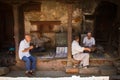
(51, 11)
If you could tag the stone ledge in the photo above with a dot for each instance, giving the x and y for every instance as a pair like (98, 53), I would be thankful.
(71, 70)
(90, 71)
(117, 64)
(118, 70)
(58, 64)
(108, 70)
(4, 70)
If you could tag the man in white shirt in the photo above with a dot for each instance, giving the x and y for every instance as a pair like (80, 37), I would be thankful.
(77, 52)
(89, 41)
(24, 55)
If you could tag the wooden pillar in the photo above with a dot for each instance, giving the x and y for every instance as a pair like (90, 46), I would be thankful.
(16, 28)
(119, 42)
(69, 33)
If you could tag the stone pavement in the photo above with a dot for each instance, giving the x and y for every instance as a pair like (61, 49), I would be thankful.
(102, 70)
(55, 75)
(49, 75)
(39, 74)
(59, 78)
(4, 70)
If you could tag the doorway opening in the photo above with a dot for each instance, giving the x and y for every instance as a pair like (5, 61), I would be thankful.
(105, 30)
(6, 27)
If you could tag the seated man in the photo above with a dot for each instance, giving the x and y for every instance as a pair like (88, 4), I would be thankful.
(77, 52)
(24, 55)
(89, 42)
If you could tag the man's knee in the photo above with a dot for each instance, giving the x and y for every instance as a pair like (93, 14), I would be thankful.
(26, 60)
(33, 59)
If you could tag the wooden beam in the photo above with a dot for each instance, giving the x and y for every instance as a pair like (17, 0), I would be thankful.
(16, 28)
(31, 6)
(45, 22)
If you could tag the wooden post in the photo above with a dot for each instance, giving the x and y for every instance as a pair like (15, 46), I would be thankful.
(69, 33)
(69, 68)
(16, 28)
(119, 42)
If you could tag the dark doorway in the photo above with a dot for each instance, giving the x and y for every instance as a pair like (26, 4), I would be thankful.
(6, 26)
(105, 14)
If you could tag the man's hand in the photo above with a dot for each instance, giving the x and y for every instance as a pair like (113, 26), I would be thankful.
(87, 49)
(31, 47)
(27, 49)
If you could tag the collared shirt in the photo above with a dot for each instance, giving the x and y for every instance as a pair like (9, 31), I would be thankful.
(89, 42)
(76, 48)
(23, 44)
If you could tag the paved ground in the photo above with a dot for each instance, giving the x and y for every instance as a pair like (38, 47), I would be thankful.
(39, 74)
(55, 75)
(61, 78)
(49, 75)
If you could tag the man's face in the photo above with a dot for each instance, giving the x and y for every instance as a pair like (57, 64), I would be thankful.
(28, 38)
(78, 40)
(89, 35)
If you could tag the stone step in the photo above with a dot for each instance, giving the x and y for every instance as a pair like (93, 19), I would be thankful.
(108, 70)
(118, 70)
(48, 74)
(100, 61)
(57, 64)
(72, 70)
(116, 63)
(90, 71)
(4, 70)
(38, 74)
(102, 70)
(42, 65)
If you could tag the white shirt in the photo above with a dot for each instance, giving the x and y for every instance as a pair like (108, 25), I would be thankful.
(89, 42)
(76, 48)
(23, 44)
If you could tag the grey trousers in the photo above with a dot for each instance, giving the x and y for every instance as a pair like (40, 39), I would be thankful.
(83, 57)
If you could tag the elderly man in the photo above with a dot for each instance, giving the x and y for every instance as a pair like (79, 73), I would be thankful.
(77, 52)
(24, 55)
(89, 41)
